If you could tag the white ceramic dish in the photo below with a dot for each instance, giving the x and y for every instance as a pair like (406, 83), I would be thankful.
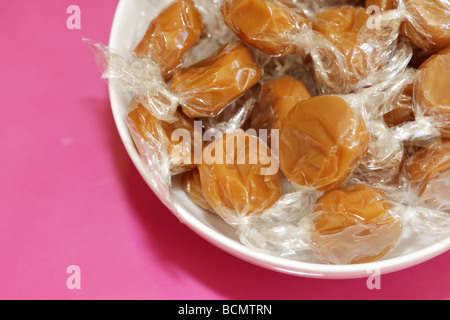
(130, 20)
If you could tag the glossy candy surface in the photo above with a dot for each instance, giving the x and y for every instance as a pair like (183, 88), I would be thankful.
(341, 26)
(433, 90)
(170, 35)
(321, 142)
(354, 224)
(234, 182)
(428, 23)
(278, 97)
(210, 85)
(328, 144)
(269, 25)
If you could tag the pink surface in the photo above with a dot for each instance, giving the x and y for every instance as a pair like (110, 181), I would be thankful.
(69, 194)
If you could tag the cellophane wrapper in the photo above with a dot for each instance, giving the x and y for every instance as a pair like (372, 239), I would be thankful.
(284, 229)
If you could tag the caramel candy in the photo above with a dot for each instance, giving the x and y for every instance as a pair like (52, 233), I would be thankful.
(321, 143)
(401, 109)
(428, 24)
(337, 22)
(432, 90)
(354, 224)
(171, 35)
(278, 97)
(382, 4)
(265, 24)
(208, 86)
(193, 187)
(341, 26)
(428, 170)
(159, 134)
(239, 176)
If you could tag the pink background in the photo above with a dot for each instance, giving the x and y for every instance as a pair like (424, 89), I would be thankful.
(69, 194)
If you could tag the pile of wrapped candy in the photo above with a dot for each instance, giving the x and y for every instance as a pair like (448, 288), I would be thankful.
(312, 127)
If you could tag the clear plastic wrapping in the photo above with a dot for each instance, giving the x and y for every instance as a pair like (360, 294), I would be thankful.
(204, 89)
(386, 153)
(267, 25)
(354, 224)
(347, 144)
(385, 157)
(432, 94)
(322, 141)
(210, 85)
(282, 230)
(236, 115)
(426, 23)
(163, 153)
(153, 151)
(239, 176)
(180, 151)
(344, 45)
(428, 172)
(170, 35)
(383, 177)
(140, 76)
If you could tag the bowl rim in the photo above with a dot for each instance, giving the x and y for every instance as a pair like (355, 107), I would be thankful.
(262, 259)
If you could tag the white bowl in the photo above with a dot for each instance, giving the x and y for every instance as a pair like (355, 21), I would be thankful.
(129, 22)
